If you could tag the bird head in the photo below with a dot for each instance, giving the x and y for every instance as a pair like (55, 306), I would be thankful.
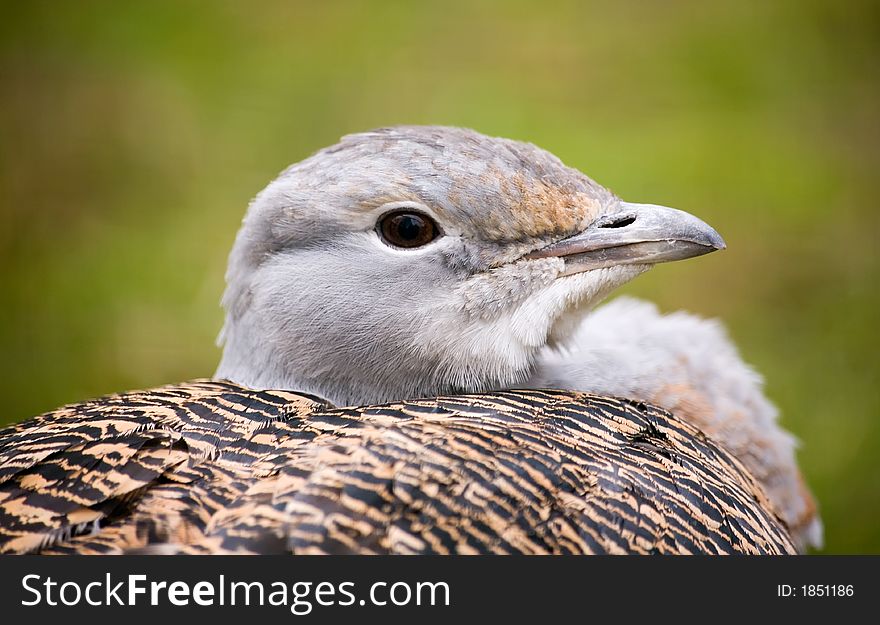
(416, 261)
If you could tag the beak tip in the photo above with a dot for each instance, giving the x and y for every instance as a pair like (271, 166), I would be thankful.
(717, 242)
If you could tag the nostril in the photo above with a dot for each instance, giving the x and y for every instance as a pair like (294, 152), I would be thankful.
(619, 222)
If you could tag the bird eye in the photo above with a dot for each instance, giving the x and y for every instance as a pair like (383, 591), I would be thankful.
(404, 229)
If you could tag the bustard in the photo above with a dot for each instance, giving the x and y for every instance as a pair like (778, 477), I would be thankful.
(390, 302)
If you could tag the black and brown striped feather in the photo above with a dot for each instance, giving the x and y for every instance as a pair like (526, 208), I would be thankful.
(211, 467)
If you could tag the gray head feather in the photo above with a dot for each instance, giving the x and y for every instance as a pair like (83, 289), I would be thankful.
(317, 302)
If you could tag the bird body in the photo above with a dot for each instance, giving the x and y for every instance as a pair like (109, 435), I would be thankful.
(383, 297)
(212, 467)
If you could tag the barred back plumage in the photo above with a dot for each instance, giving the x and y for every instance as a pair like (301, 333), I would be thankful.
(213, 467)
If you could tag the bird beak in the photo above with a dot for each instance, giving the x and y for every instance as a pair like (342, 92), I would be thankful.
(635, 234)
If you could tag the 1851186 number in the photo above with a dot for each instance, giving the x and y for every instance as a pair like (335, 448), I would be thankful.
(827, 590)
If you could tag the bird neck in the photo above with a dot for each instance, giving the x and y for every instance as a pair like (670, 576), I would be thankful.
(259, 355)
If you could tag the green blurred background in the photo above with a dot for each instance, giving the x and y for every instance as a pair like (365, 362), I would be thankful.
(132, 136)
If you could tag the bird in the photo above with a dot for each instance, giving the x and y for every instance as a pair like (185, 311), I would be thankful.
(413, 362)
